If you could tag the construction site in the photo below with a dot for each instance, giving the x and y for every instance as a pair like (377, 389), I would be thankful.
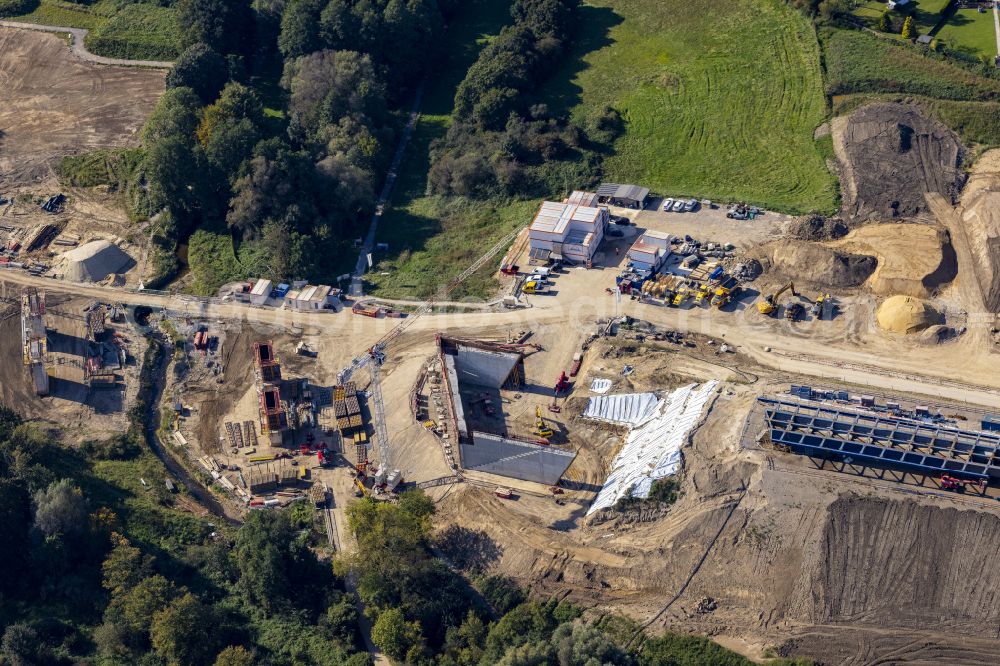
(777, 431)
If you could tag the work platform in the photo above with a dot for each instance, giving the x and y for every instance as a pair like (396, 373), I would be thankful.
(829, 431)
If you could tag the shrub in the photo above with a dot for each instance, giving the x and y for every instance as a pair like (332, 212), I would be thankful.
(17, 7)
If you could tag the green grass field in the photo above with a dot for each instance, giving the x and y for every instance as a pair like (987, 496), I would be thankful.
(135, 31)
(858, 62)
(138, 32)
(971, 33)
(718, 104)
(710, 112)
(433, 238)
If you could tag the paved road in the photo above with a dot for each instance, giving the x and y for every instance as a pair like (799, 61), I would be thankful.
(79, 46)
(357, 279)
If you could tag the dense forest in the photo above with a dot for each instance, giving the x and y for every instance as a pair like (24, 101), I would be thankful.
(103, 567)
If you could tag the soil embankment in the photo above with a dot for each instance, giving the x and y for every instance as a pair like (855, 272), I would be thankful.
(891, 156)
(981, 219)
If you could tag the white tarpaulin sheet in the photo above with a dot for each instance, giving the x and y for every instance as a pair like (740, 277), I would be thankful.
(630, 409)
(652, 448)
(600, 385)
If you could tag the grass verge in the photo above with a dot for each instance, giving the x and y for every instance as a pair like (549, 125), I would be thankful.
(137, 32)
(859, 62)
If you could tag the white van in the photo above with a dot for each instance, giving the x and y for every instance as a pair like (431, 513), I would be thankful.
(544, 271)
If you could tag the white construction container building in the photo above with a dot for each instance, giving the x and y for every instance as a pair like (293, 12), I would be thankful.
(568, 231)
(650, 251)
(261, 292)
(310, 297)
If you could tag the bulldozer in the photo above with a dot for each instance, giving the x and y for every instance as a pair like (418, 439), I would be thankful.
(769, 304)
(702, 294)
(681, 296)
(542, 428)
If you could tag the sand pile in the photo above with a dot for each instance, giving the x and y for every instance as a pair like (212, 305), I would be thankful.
(892, 155)
(94, 261)
(913, 259)
(905, 314)
(981, 219)
(806, 262)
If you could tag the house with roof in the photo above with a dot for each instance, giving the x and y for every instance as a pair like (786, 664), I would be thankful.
(570, 231)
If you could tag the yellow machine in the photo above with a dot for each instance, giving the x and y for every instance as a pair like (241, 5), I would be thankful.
(361, 486)
(681, 296)
(542, 429)
(769, 304)
(702, 294)
(532, 287)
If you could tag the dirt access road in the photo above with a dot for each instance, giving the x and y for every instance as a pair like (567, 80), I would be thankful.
(79, 47)
(888, 363)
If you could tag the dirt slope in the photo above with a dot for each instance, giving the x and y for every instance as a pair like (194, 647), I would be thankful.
(981, 218)
(892, 155)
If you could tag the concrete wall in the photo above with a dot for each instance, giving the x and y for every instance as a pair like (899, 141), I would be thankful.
(518, 460)
(474, 366)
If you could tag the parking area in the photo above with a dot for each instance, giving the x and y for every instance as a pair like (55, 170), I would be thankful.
(707, 224)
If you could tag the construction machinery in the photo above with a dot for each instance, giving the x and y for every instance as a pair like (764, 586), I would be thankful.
(682, 295)
(724, 292)
(542, 429)
(958, 485)
(703, 292)
(769, 304)
(794, 311)
(375, 356)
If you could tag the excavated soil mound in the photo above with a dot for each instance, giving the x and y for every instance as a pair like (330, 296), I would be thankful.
(905, 314)
(818, 228)
(913, 259)
(981, 219)
(893, 156)
(95, 261)
(807, 262)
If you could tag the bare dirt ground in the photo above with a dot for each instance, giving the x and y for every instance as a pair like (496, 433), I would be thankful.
(56, 105)
(891, 155)
(980, 211)
(85, 413)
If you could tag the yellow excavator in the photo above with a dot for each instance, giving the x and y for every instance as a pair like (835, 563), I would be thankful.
(542, 428)
(769, 304)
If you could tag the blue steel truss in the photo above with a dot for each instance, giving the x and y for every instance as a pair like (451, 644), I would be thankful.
(882, 440)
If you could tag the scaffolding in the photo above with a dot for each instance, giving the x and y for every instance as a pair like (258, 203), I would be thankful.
(34, 339)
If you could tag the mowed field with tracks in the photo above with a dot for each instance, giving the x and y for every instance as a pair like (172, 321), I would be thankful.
(720, 100)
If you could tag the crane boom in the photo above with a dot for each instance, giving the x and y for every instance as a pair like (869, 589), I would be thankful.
(374, 357)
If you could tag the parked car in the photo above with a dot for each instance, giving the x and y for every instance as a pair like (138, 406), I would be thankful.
(668, 203)
(538, 277)
(678, 205)
(691, 205)
(623, 221)
(615, 232)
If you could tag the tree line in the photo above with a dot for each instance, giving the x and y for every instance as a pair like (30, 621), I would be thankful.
(278, 122)
(503, 139)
